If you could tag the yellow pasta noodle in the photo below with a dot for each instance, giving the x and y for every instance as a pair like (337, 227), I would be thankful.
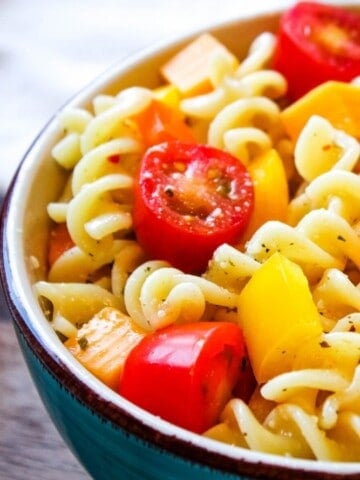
(311, 411)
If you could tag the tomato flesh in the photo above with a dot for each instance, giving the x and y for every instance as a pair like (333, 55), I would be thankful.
(189, 199)
(246, 384)
(185, 373)
(317, 43)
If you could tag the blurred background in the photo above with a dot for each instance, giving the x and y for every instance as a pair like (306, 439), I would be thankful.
(49, 49)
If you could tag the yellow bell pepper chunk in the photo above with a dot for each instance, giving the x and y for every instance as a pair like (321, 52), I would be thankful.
(168, 94)
(317, 353)
(338, 102)
(278, 315)
(271, 191)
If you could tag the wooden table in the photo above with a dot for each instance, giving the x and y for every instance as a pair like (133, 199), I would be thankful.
(30, 447)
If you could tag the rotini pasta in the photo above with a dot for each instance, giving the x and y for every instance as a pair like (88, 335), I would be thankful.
(157, 295)
(312, 410)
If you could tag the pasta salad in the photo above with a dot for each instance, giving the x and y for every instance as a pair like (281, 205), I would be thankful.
(204, 259)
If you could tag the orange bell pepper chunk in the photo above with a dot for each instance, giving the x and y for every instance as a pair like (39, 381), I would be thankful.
(338, 102)
(160, 122)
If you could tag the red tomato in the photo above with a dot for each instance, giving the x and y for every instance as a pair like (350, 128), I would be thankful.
(189, 199)
(160, 123)
(185, 373)
(317, 43)
(246, 383)
(59, 242)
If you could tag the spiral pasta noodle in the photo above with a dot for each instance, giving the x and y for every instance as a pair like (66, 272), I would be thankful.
(323, 242)
(157, 295)
(241, 109)
(72, 304)
(311, 411)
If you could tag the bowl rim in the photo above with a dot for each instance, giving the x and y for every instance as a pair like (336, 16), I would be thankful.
(30, 320)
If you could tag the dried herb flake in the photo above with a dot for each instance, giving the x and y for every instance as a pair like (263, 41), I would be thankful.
(83, 343)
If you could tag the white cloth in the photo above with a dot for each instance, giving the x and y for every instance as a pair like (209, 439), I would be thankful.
(49, 49)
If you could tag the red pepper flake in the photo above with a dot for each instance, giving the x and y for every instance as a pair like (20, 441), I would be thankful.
(114, 158)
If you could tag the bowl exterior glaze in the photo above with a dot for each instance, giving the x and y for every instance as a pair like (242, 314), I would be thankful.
(112, 439)
(104, 449)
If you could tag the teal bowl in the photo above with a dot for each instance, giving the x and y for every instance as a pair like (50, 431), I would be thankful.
(112, 438)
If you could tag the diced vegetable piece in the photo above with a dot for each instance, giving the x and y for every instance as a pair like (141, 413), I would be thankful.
(277, 314)
(271, 194)
(338, 102)
(103, 343)
(188, 200)
(246, 383)
(168, 94)
(190, 69)
(59, 242)
(160, 122)
(185, 373)
(317, 43)
(317, 353)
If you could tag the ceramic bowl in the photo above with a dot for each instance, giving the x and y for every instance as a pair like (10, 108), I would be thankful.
(111, 437)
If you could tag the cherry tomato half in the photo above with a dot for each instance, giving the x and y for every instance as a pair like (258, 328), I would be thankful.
(317, 43)
(185, 373)
(189, 199)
